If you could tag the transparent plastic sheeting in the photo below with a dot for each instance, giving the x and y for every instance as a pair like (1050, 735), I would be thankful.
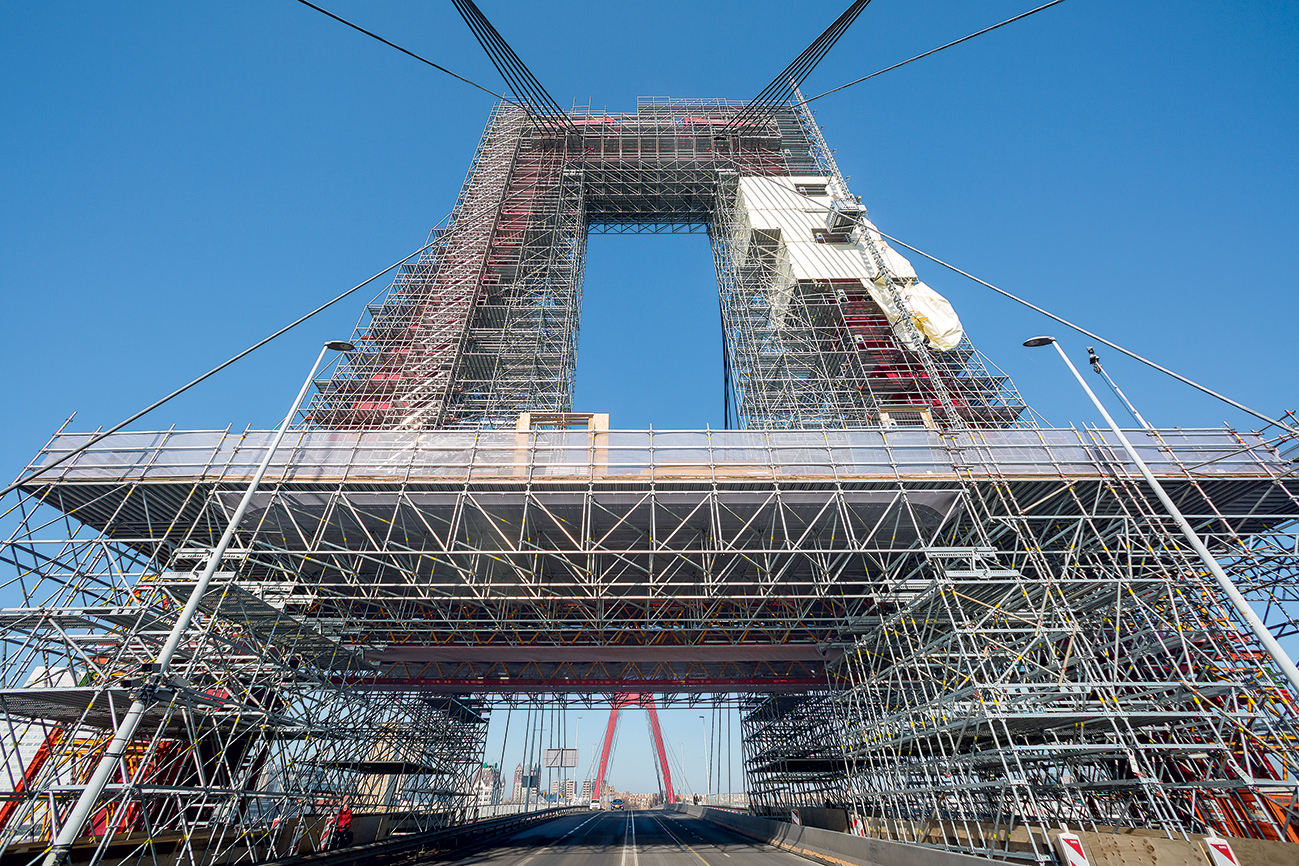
(720, 455)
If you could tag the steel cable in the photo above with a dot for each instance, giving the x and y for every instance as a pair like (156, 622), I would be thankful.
(372, 35)
(1019, 17)
(218, 368)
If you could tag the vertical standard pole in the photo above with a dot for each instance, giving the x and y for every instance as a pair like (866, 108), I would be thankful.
(1228, 587)
(89, 797)
(577, 744)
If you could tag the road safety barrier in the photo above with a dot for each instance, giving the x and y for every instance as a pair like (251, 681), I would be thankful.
(394, 851)
(827, 846)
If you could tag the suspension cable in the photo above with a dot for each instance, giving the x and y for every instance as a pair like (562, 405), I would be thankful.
(373, 35)
(40, 470)
(1018, 17)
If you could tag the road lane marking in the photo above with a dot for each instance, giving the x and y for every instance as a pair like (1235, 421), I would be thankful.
(635, 853)
(680, 844)
(579, 827)
(626, 837)
(714, 844)
(527, 859)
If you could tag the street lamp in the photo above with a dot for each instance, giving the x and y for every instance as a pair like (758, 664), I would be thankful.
(148, 692)
(709, 788)
(577, 744)
(1256, 625)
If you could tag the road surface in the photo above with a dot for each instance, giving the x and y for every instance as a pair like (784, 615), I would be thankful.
(628, 838)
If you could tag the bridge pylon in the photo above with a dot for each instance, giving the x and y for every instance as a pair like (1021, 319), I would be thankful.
(633, 699)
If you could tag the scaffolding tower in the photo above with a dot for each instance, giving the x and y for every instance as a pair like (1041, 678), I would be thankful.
(942, 615)
(483, 326)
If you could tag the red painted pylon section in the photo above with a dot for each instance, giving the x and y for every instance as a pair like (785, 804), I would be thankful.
(634, 700)
(598, 793)
(647, 701)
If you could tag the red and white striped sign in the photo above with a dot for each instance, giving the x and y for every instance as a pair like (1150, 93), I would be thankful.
(1071, 850)
(856, 826)
(1220, 853)
(796, 818)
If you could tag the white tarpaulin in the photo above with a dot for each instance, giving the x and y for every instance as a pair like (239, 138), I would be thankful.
(931, 313)
(785, 223)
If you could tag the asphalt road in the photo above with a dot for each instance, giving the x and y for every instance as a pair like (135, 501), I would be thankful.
(628, 838)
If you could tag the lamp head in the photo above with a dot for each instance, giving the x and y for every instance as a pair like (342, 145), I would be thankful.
(340, 346)
(1035, 342)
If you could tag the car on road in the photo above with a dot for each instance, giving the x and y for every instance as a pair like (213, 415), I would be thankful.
(595, 805)
(617, 804)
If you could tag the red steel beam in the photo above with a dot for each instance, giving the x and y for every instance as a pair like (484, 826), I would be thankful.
(647, 701)
(489, 684)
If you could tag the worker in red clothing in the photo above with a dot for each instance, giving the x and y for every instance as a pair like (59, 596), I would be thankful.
(342, 836)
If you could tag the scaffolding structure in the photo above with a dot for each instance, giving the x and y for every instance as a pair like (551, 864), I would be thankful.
(1062, 657)
(483, 326)
(1010, 632)
(934, 611)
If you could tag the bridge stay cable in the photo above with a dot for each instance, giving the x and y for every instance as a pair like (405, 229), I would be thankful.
(933, 51)
(523, 83)
(777, 93)
(358, 28)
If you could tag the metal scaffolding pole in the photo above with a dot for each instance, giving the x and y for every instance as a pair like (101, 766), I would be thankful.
(156, 685)
(1279, 655)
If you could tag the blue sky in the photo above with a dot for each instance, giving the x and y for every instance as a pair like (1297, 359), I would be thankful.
(179, 179)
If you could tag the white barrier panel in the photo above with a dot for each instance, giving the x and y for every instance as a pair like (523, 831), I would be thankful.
(1220, 853)
(1071, 850)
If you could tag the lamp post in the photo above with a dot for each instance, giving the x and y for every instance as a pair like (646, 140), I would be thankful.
(577, 732)
(708, 789)
(149, 692)
(1246, 612)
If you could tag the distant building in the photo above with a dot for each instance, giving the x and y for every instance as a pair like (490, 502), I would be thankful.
(486, 786)
(588, 786)
(526, 788)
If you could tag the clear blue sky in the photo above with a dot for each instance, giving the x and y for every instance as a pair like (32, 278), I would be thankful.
(178, 179)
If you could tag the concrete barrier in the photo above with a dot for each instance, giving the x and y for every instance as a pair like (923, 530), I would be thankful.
(417, 846)
(1125, 848)
(827, 846)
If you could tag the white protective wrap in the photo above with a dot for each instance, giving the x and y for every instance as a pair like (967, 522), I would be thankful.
(931, 313)
(776, 215)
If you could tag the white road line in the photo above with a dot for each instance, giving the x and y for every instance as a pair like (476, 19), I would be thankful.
(579, 827)
(680, 844)
(635, 853)
(551, 845)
